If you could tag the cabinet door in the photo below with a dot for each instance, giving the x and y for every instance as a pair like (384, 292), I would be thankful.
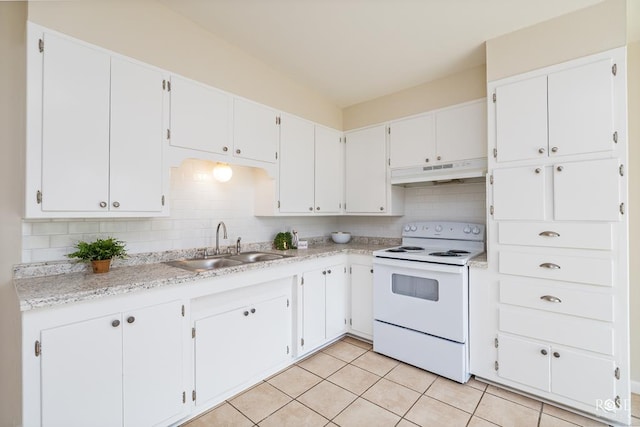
(81, 373)
(153, 364)
(366, 171)
(581, 109)
(521, 120)
(313, 309)
(524, 361)
(270, 339)
(296, 165)
(222, 353)
(200, 117)
(255, 132)
(329, 167)
(588, 191)
(136, 137)
(581, 376)
(412, 141)
(336, 301)
(362, 299)
(461, 132)
(519, 193)
(75, 127)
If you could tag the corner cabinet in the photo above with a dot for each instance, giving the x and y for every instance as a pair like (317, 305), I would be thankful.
(367, 182)
(361, 297)
(86, 154)
(557, 239)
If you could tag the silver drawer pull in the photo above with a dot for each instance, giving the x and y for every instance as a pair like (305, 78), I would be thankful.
(550, 298)
(550, 265)
(549, 234)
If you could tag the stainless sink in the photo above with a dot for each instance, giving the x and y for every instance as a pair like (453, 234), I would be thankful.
(257, 256)
(206, 264)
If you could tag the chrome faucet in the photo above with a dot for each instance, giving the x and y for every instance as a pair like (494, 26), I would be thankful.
(224, 227)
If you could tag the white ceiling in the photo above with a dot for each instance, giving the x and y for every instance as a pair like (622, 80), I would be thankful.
(356, 50)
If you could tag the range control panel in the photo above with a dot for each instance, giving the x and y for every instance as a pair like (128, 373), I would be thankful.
(444, 230)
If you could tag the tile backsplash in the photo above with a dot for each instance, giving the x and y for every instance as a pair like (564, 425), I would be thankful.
(198, 203)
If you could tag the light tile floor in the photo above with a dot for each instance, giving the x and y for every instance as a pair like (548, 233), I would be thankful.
(347, 384)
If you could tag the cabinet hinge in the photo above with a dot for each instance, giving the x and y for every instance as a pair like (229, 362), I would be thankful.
(162, 200)
(184, 397)
(168, 85)
(38, 348)
(345, 270)
(287, 302)
(302, 342)
(41, 45)
(193, 332)
(168, 133)
(193, 395)
(276, 155)
(495, 365)
(345, 139)
(491, 209)
(621, 170)
(278, 120)
(616, 373)
(615, 137)
(495, 342)
(614, 69)
(350, 322)
(494, 97)
(495, 153)
(350, 270)
(164, 85)
(287, 349)
(182, 311)
(389, 161)
(302, 280)
(278, 204)
(491, 179)
(622, 208)
(618, 401)
(39, 197)
(389, 130)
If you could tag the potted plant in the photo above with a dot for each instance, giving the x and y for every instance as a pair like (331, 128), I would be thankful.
(100, 253)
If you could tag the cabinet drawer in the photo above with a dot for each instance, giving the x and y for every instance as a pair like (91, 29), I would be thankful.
(571, 331)
(556, 235)
(595, 271)
(557, 298)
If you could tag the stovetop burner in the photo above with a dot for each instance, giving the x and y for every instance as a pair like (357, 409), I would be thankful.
(395, 250)
(458, 251)
(411, 248)
(446, 254)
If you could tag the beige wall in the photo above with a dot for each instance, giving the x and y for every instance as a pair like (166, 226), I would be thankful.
(460, 87)
(150, 32)
(13, 17)
(633, 81)
(567, 37)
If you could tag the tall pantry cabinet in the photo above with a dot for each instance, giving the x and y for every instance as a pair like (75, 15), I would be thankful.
(550, 316)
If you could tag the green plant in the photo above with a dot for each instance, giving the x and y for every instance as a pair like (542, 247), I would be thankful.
(282, 241)
(101, 249)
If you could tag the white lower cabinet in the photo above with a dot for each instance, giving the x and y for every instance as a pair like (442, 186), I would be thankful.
(361, 321)
(239, 342)
(322, 306)
(119, 369)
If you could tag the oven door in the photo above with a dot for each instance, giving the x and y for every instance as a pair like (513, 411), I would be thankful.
(426, 297)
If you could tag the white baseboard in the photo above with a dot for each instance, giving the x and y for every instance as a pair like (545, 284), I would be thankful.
(635, 387)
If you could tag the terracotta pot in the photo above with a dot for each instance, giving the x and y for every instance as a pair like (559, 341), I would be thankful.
(101, 266)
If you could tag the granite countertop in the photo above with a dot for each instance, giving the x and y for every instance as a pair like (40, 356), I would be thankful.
(42, 285)
(479, 262)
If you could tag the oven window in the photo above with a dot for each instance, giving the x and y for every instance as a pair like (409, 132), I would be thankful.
(415, 287)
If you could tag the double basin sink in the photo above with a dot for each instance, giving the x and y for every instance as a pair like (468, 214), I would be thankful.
(221, 261)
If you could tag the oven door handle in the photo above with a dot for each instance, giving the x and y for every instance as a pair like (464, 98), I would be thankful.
(416, 265)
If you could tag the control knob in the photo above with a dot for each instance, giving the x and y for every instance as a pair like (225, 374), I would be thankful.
(407, 227)
(414, 228)
(475, 230)
(438, 228)
(467, 229)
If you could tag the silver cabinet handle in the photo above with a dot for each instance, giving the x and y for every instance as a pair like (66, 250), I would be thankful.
(556, 354)
(560, 168)
(115, 323)
(310, 208)
(116, 204)
(550, 265)
(238, 151)
(538, 170)
(541, 150)
(225, 148)
(246, 313)
(381, 208)
(550, 298)
(131, 319)
(554, 149)
(549, 234)
(439, 157)
(253, 310)
(544, 352)
(103, 204)
(426, 160)
(317, 208)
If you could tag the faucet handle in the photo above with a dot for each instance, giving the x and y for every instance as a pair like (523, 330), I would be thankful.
(201, 253)
(238, 245)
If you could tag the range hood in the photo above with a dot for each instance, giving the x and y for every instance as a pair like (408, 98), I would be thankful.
(460, 169)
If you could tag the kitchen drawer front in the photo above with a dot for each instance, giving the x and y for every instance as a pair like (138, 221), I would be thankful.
(585, 334)
(595, 271)
(557, 235)
(557, 298)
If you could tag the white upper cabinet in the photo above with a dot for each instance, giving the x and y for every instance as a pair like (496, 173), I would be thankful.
(447, 135)
(567, 112)
(255, 131)
(412, 141)
(366, 172)
(75, 127)
(329, 170)
(200, 117)
(95, 132)
(296, 165)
